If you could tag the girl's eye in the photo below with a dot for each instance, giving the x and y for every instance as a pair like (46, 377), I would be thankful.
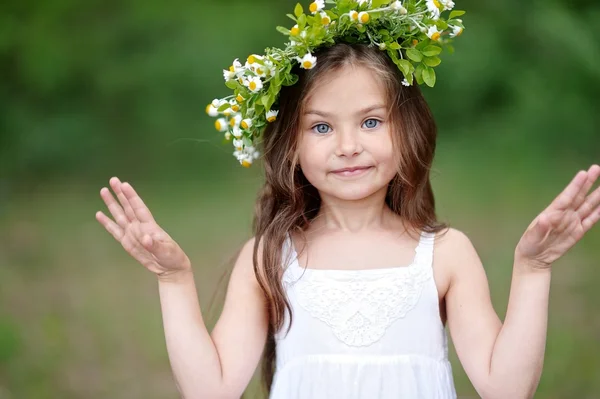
(321, 128)
(371, 123)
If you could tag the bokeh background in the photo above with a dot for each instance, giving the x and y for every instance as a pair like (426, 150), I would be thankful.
(99, 88)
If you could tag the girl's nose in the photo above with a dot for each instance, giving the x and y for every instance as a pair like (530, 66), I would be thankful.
(348, 143)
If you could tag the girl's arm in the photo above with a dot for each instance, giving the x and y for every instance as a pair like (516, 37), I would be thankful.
(217, 365)
(502, 361)
(505, 361)
(205, 366)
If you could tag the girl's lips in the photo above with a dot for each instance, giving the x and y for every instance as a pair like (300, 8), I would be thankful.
(352, 171)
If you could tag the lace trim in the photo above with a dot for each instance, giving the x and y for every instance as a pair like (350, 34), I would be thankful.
(359, 306)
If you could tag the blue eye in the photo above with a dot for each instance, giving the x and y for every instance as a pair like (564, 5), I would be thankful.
(321, 128)
(373, 123)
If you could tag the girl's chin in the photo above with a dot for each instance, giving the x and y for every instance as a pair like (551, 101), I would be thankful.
(353, 192)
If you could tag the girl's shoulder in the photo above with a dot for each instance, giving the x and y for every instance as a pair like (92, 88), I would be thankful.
(455, 254)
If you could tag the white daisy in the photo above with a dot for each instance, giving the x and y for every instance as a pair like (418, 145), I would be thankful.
(316, 6)
(456, 30)
(325, 19)
(364, 17)
(433, 33)
(254, 84)
(237, 132)
(235, 120)
(238, 144)
(221, 124)
(434, 6)
(397, 6)
(246, 124)
(405, 82)
(272, 115)
(211, 110)
(295, 31)
(244, 158)
(448, 4)
(228, 75)
(308, 61)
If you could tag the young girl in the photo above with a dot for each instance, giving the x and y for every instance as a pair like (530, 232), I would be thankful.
(349, 281)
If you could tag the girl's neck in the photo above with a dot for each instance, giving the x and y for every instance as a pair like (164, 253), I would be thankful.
(371, 213)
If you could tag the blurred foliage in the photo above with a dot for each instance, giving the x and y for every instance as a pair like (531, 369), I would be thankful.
(89, 84)
(90, 89)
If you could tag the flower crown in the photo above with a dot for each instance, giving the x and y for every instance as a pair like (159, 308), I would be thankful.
(411, 32)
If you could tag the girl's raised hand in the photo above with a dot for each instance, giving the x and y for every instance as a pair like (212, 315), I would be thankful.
(563, 223)
(137, 231)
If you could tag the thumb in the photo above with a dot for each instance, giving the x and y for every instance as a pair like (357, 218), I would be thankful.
(148, 242)
(542, 227)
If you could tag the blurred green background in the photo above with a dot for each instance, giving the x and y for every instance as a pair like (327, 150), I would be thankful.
(93, 89)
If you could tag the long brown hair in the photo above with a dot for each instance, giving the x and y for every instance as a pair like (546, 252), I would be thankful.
(288, 203)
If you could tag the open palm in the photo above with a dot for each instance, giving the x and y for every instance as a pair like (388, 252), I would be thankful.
(137, 231)
(566, 220)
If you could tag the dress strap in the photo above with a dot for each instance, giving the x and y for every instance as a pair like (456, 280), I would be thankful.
(289, 252)
(424, 250)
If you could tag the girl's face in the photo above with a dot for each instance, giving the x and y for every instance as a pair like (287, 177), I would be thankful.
(345, 126)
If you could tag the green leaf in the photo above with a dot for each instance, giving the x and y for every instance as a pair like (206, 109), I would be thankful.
(394, 46)
(302, 21)
(429, 76)
(405, 66)
(224, 107)
(432, 61)
(414, 55)
(456, 13)
(232, 84)
(290, 80)
(379, 3)
(264, 99)
(283, 30)
(431, 50)
(419, 73)
(298, 10)
(292, 17)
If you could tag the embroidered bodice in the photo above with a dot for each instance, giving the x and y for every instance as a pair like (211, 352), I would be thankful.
(373, 333)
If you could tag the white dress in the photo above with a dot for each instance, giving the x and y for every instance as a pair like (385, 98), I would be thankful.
(365, 334)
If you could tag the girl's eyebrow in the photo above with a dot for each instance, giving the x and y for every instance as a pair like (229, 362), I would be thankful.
(361, 112)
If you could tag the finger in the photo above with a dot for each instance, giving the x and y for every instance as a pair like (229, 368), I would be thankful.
(114, 229)
(113, 206)
(591, 203)
(592, 176)
(566, 199)
(115, 183)
(147, 241)
(141, 211)
(542, 227)
(591, 220)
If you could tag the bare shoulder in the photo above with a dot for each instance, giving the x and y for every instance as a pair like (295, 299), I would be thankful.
(244, 265)
(455, 255)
